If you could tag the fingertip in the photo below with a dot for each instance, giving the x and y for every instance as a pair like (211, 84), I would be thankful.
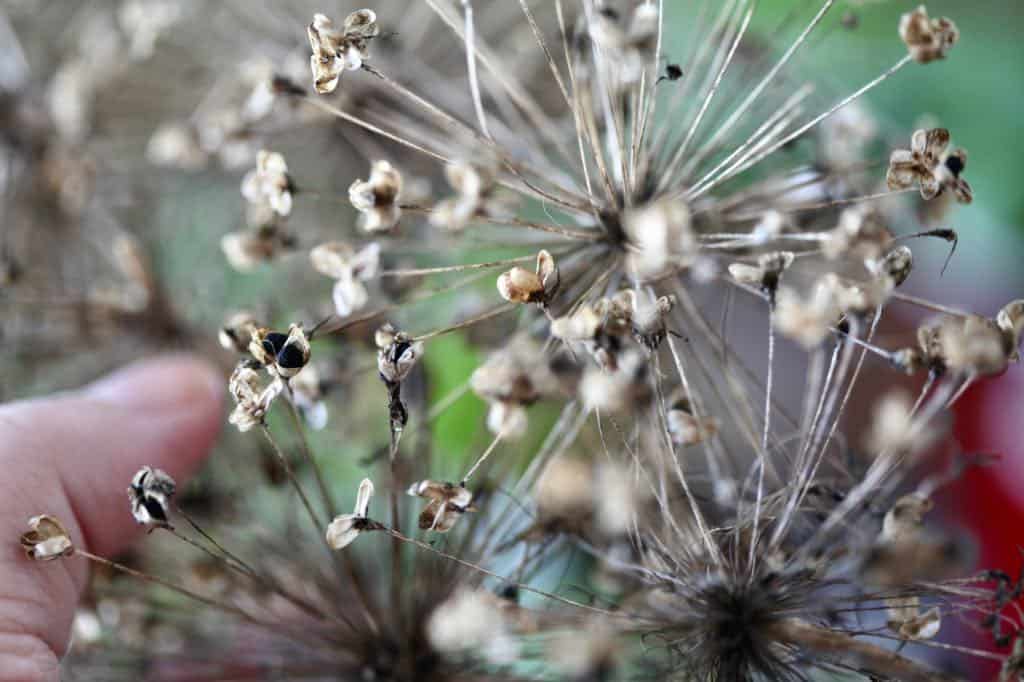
(166, 382)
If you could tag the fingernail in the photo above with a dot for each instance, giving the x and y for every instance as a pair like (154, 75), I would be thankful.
(171, 382)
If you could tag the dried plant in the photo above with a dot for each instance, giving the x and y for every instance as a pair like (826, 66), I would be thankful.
(676, 241)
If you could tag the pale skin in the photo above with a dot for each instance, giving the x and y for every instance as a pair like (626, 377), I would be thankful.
(72, 456)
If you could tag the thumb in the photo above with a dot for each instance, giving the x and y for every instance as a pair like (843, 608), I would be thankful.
(72, 456)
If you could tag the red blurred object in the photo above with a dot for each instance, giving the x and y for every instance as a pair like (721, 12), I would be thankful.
(989, 501)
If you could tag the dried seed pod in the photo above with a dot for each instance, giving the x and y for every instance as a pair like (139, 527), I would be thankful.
(519, 285)
(473, 621)
(973, 345)
(904, 519)
(236, 334)
(909, 622)
(855, 298)
(46, 539)
(686, 429)
(910, 360)
(619, 390)
(448, 502)
(662, 235)
(307, 393)
(351, 269)
(344, 529)
(283, 355)
(508, 419)
(149, 494)
(1011, 322)
(893, 429)
(565, 490)
(807, 322)
(896, 264)
(767, 273)
(396, 356)
(629, 47)
(648, 319)
(929, 164)
(376, 199)
(334, 51)
(269, 183)
(474, 187)
(583, 325)
(248, 249)
(251, 397)
(397, 353)
(927, 39)
(862, 233)
(510, 380)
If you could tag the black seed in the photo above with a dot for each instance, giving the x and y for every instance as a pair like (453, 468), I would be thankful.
(955, 165)
(290, 357)
(609, 13)
(154, 508)
(673, 72)
(274, 342)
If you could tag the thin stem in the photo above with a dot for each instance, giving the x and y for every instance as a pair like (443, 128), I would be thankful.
(325, 493)
(739, 168)
(229, 555)
(468, 564)
(209, 601)
(875, 659)
(487, 453)
(474, 82)
(500, 310)
(295, 482)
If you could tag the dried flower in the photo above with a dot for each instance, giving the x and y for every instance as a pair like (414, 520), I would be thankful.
(895, 265)
(237, 332)
(335, 52)
(284, 355)
(251, 248)
(308, 395)
(629, 47)
(472, 621)
(766, 274)
(861, 232)
(474, 188)
(510, 380)
(894, 429)
(376, 199)
(150, 492)
(927, 39)
(269, 183)
(808, 322)
(929, 163)
(344, 529)
(252, 398)
(397, 354)
(687, 428)
(448, 502)
(1010, 321)
(974, 345)
(662, 235)
(621, 390)
(519, 285)
(350, 269)
(46, 539)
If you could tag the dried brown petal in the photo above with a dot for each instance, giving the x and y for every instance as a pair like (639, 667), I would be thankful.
(927, 39)
(46, 539)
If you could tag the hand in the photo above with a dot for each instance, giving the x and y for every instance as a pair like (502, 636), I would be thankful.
(72, 456)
